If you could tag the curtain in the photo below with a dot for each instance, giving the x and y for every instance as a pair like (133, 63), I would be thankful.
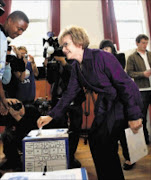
(7, 8)
(148, 5)
(109, 22)
(55, 16)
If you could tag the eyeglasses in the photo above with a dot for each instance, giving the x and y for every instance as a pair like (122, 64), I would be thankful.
(65, 44)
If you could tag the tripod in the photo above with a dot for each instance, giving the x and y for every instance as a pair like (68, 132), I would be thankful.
(88, 94)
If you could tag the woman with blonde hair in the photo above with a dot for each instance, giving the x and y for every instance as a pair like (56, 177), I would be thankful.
(118, 100)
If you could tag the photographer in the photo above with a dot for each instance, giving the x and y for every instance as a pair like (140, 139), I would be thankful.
(19, 122)
(16, 23)
(26, 89)
(58, 75)
(17, 65)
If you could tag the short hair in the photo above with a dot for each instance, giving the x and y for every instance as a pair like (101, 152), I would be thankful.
(107, 43)
(78, 36)
(140, 37)
(22, 48)
(18, 15)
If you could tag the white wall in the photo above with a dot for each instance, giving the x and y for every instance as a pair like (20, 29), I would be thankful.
(84, 13)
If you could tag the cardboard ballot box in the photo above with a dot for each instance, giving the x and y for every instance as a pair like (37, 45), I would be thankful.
(69, 174)
(49, 150)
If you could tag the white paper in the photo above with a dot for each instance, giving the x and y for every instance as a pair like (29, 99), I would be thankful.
(136, 144)
(71, 174)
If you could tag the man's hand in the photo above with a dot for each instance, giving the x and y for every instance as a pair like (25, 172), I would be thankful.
(12, 101)
(147, 73)
(43, 120)
(16, 51)
(135, 125)
(61, 60)
(15, 114)
(3, 110)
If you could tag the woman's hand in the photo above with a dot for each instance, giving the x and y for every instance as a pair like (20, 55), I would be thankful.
(43, 120)
(31, 59)
(135, 125)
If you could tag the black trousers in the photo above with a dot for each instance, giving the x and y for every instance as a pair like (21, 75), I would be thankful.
(104, 149)
(146, 97)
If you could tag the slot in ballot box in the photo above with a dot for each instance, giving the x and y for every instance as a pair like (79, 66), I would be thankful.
(69, 174)
(49, 150)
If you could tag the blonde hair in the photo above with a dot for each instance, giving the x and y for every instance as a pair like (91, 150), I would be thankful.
(22, 48)
(78, 36)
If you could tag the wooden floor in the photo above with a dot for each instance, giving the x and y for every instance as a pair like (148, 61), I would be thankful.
(142, 170)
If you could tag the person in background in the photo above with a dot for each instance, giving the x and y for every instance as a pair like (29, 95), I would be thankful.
(118, 99)
(15, 24)
(139, 68)
(18, 123)
(108, 46)
(17, 66)
(26, 89)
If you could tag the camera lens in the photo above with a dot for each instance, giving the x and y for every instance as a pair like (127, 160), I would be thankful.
(9, 48)
(26, 56)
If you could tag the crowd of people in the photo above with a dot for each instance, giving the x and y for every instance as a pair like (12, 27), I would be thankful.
(121, 102)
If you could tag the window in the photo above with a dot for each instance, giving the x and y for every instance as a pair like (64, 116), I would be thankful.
(130, 22)
(38, 13)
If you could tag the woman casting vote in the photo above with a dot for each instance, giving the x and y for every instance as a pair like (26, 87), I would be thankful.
(118, 102)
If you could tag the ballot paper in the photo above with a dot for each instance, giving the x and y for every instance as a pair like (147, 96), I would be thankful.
(70, 174)
(136, 144)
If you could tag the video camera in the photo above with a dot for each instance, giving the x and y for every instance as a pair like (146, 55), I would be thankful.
(51, 47)
(15, 63)
(2, 4)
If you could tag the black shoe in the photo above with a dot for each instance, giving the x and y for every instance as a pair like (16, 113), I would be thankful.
(75, 164)
(0, 174)
(15, 165)
(127, 166)
(147, 141)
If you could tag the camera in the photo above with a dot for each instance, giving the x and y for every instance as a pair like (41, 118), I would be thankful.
(9, 48)
(10, 58)
(15, 63)
(51, 47)
(42, 105)
(26, 56)
(16, 106)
